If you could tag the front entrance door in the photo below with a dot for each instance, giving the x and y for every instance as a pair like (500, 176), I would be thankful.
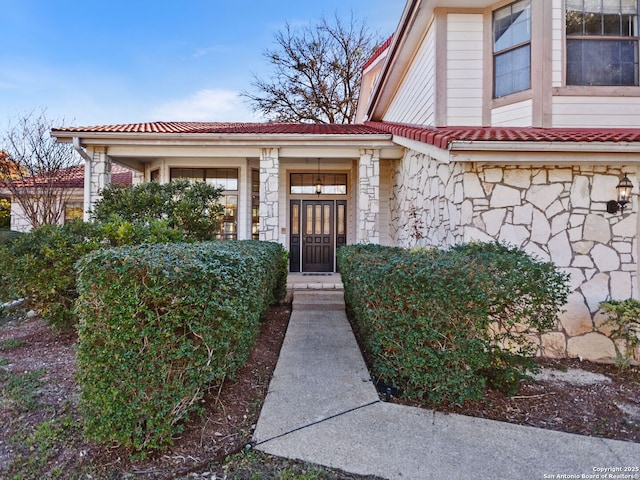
(315, 232)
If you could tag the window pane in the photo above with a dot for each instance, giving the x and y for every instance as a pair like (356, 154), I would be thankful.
(295, 219)
(511, 25)
(341, 223)
(602, 62)
(255, 204)
(228, 224)
(326, 221)
(226, 178)
(332, 184)
(73, 211)
(512, 71)
(602, 17)
(309, 227)
(192, 174)
(318, 222)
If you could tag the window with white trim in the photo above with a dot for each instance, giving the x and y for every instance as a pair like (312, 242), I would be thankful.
(512, 48)
(602, 42)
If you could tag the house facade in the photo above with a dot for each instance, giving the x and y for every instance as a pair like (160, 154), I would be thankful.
(478, 120)
(64, 189)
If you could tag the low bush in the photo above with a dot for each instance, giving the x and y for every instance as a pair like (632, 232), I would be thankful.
(7, 236)
(159, 324)
(39, 266)
(440, 324)
(623, 317)
(190, 208)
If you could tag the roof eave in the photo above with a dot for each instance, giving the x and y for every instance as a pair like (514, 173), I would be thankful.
(269, 139)
(543, 146)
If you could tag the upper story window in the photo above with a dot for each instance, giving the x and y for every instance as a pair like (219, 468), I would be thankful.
(602, 42)
(512, 48)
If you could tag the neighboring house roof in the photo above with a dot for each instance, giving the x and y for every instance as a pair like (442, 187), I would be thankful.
(227, 128)
(7, 166)
(72, 177)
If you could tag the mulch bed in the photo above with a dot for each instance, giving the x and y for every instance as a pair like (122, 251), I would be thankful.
(608, 409)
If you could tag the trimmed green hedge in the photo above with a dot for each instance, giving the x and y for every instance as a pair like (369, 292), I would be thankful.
(7, 235)
(159, 324)
(436, 323)
(39, 265)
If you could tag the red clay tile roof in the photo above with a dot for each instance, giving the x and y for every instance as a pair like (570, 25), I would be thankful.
(73, 177)
(378, 52)
(442, 137)
(228, 128)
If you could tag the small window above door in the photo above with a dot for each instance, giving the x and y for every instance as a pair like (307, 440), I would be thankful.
(305, 183)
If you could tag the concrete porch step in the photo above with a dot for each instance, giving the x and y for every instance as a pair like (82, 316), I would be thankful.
(318, 300)
(313, 282)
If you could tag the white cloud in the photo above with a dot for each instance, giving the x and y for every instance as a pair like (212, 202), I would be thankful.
(207, 105)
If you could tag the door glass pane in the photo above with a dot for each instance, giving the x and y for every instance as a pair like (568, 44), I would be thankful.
(340, 219)
(326, 222)
(295, 219)
(309, 228)
(318, 222)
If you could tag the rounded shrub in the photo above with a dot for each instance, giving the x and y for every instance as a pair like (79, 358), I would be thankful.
(440, 324)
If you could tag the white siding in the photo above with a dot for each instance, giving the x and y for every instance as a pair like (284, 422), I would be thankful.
(19, 221)
(513, 115)
(557, 43)
(575, 111)
(414, 102)
(464, 69)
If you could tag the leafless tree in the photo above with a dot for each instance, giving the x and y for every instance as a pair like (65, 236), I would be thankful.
(315, 72)
(36, 171)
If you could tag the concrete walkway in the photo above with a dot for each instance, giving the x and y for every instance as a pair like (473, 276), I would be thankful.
(323, 408)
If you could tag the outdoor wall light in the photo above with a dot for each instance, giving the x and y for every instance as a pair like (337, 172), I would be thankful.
(318, 184)
(624, 196)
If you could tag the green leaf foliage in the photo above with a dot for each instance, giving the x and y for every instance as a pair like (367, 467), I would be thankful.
(39, 266)
(5, 213)
(441, 324)
(191, 208)
(159, 324)
(623, 318)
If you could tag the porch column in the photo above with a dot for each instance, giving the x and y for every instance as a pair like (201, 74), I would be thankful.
(97, 175)
(368, 213)
(269, 205)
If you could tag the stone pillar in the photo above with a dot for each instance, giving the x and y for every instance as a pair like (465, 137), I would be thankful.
(368, 207)
(137, 177)
(269, 194)
(97, 176)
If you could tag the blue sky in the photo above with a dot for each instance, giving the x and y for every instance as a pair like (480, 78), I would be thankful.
(97, 62)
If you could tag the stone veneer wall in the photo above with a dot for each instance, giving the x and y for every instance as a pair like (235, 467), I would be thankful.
(369, 197)
(555, 213)
(269, 205)
(426, 202)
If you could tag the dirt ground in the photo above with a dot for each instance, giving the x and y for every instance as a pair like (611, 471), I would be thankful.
(42, 437)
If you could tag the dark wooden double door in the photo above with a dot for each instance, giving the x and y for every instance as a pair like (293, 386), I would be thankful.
(318, 227)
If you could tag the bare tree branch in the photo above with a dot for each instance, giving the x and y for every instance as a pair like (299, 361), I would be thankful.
(36, 169)
(315, 72)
